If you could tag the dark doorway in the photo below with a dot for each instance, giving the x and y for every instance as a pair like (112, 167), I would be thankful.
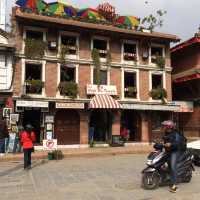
(33, 117)
(67, 127)
(101, 120)
(131, 120)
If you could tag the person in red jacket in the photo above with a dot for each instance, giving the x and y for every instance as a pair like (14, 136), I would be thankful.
(27, 138)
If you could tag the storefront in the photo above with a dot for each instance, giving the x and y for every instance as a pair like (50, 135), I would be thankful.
(33, 112)
(144, 120)
(67, 123)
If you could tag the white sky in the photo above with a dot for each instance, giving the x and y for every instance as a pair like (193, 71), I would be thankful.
(182, 17)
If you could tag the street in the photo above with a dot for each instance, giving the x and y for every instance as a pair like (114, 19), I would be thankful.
(97, 178)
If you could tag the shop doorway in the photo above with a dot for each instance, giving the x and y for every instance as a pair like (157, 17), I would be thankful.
(131, 120)
(101, 121)
(67, 127)
(33, 117)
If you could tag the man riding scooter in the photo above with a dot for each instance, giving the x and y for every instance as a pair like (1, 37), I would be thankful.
(173, 145)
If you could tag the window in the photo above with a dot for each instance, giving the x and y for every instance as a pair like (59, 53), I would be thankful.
(155, 52)
(34, 35)
(3, 60)
(70, 43)
(102, 77)
(67, 74)
(33, 78)
(130, 89)
(100, 45)
(157, 81)
(129, 52)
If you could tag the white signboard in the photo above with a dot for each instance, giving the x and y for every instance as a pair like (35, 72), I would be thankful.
(14, 118)
(50, 144)
(49, 119)
(70, 105)
(184, 106)
(37, 104)
(150, 107)
(101, 89)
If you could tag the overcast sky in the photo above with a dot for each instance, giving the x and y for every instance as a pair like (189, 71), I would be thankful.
(182, 18)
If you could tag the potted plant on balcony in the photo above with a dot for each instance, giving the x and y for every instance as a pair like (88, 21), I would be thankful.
(34, 48)
(131, 91)
(97, 64)
(68, 88)
(160, 61)
(34, 86)
(158, 94)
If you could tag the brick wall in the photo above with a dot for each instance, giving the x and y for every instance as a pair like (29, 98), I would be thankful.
(84, 79)
(17, 84)
(115, 79)
(51, 70)
(85, 46)
(169, 86)
(144, 85)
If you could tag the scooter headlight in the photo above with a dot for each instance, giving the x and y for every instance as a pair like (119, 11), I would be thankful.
(149, 162)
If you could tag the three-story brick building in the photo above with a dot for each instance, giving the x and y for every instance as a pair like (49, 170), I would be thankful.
(45, 85)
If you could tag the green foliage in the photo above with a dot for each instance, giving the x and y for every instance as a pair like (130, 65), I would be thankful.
(34, 86)
(97, 64)
(34, 48)
(64, 50)
(68, 88)
(152, 21)
(131, 91)
(160, 61)
(158, 93)
(108, 58)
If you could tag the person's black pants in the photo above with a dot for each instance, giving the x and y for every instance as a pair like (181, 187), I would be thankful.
(27, 158)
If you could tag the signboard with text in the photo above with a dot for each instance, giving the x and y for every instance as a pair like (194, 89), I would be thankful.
(70, 105)
(37, 104)
(101, 89)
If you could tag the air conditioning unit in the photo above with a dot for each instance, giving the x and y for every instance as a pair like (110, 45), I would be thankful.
(19, 109)
(52, 45)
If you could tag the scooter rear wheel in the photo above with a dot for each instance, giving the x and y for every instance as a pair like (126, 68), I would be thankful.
(188, 176)
(150, 181)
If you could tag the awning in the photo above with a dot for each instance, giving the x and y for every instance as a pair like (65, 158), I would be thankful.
(187, 78)
(104, 101)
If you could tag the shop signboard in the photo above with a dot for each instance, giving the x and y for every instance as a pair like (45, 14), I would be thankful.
(49, 119)
(150, 107)
(50, 144)
(14, 118)
(101, 89)
(70, 105)
(32, 104)
(184, 106)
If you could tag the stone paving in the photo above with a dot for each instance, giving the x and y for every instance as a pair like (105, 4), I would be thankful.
(97, 178)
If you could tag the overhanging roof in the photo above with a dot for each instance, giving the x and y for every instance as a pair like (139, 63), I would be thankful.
(71, 22)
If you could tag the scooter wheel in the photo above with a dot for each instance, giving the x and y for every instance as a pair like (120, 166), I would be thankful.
(188, 176)
(150, 181)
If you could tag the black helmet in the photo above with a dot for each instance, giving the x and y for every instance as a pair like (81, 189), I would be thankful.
(28, 127)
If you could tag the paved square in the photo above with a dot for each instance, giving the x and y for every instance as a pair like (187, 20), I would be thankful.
(97, 178)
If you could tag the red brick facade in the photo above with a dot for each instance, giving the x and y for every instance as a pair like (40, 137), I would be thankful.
(84, 64)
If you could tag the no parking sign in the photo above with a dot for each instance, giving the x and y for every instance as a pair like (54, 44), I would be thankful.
(50, 144)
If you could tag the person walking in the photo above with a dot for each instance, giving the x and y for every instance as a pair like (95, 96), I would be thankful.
(172, 144)
(27, 138)
(3, 136)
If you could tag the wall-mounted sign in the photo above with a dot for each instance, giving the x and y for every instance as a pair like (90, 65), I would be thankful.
(101, 89)
(49, 119)
(7, 112)
(14, 118)
(150, 107)
(70, 105)
(184, 106)
(37, 104)
(50, 144)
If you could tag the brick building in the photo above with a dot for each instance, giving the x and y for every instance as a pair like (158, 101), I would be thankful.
(186, 83)
(121, 98)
